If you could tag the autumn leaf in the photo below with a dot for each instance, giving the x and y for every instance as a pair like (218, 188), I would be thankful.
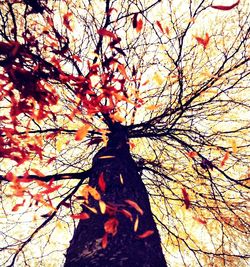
(37, 172)
(186, 198)
(101, 182)
(82, 132)
(127, 214)
(203, 41)
(107, 33)
(139, 25)
(146, 234)
(111, 225)
(122, 70)
(102, 206)
(225, 158)
(234, 146)
(192, 154)
(199, 220)
(134, 205)
(66, 20)
(159, 25)
(81, 216)
(105, 241)
(136, 224)
(17, 206)
(225, 8)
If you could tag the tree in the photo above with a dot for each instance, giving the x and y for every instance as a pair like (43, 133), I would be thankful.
(124, 126)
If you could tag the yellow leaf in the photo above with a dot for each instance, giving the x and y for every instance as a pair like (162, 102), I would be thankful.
(234, 146)
(136, 223)
(158, 79)
(102, 206)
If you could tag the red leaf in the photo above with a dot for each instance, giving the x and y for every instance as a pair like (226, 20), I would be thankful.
(127, 214)
(192, 154)
(139, 25)
(82, 132)
(226, 7)
(17, 206)
(37, 172)
(101, 182)
(146, 234)
(81, 216)
(66, 20)
(105, 32)
(203, 41)
(159, 25)
(186, 198)
(111, 225)
(51, 189)
(134, 205)
(200, 220)
(122, 70)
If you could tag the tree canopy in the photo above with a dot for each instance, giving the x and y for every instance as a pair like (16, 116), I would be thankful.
(175, 74)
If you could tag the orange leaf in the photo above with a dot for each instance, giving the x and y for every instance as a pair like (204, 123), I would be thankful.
(106, 157)
(51, 189)
(146, 234)
(203, 41)
(94, 193)
(122, 70)
(234, 146)
(134, 205)
(192, 154)
(139, 25)
(226, 7)
(111, 225)
(82, 132)
(101, 182)
(127, 214)
(225, 158)
(105, 241)
(186, 198)
(81, 216)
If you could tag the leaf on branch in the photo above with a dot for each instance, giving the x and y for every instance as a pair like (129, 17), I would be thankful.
(17, 206)
(107, 33)
(139, 25)
(192, 154)
(225, 158)
(111, 225)
(134, 205)
(146, 234)
(225, 8)
(122, 70)
(199, 220)
(234, 146)
(37, 172)
(203, 41)
(81, 216)
(160, 26)
(101, 182)
(186, 198)
(66, 20)
(82, 132)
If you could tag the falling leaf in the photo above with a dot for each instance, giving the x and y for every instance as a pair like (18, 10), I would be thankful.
(111, 225)
(105, 241)
(121, 179)
(82, 132)
(106, 157)
(203, 41)
(134, 205)
(225, 158)
(226, 7)
(102, 206)
(81, 216)
(186, 198)
(136, 223)
(101, 182)
(146, 234)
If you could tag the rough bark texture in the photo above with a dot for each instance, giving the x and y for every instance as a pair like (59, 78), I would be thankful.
(124, 248)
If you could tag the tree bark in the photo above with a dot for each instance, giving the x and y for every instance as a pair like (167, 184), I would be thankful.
(124, 248)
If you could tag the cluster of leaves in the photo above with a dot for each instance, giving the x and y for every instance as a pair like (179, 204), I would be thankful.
(178, 81)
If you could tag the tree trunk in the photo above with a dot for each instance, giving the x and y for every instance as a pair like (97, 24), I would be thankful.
(126, 247)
